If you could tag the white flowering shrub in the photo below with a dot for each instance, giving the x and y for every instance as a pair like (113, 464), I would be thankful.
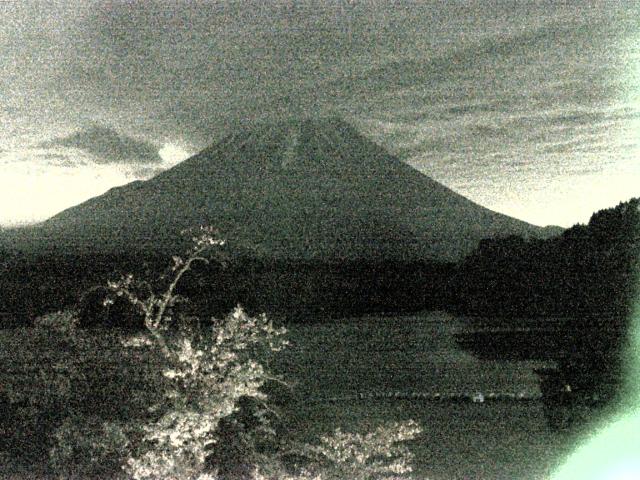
(209, 374)
(210, 370)
(215, 421)
(380, 454)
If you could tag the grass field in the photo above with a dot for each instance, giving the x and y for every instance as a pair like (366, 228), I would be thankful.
(330, 366)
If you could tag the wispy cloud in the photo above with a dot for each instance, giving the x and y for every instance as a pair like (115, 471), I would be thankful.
(106, 145)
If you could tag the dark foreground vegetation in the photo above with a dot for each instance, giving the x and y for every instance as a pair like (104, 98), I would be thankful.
(36, 284)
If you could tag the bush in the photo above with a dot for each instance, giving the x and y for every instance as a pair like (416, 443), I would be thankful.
(375, 455)
(381, 454)
(211, 370)
(212, 376)
(38, 394)
(61, 371)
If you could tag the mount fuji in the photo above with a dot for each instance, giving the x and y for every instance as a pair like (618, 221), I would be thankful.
(312, 189)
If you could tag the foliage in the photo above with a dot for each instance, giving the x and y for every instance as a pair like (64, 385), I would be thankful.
(36, 403)
(157, 306)
(64, 322)
(58, 371)
(210, 370)
(208, 380)
(588, 276)
(588, 270)
(376, 455)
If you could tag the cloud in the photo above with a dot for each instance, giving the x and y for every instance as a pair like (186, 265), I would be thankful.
(578, 118)
(471, 108)
(106, 145)
(196, 69)
(28, 194)
(489, 131)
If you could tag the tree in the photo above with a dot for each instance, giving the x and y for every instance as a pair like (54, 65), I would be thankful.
(211, 371)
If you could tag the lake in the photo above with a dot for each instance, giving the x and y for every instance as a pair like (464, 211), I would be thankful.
(405, 354)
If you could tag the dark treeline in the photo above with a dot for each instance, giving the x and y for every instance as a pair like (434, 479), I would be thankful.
(587, 273)
(34, 284)
(306, 291)
(296, 291)
(588, 270)
(587, 276)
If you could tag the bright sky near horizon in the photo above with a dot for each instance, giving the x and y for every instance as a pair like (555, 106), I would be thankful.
(531, 108)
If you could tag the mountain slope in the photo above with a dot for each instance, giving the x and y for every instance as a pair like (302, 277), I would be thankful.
(312, 189)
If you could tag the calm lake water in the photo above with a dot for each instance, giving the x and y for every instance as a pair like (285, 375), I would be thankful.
(418, 353)
(413, 353)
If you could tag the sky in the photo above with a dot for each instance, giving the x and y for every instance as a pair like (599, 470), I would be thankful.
(530, 108)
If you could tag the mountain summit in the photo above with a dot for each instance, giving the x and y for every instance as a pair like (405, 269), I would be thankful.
(298, 190)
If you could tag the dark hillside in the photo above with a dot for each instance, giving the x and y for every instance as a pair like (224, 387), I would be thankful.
(589, 270)
(587, 276)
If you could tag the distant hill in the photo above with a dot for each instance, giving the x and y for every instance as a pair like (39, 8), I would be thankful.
(571, 299)
(299, 190)
(590, 271)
